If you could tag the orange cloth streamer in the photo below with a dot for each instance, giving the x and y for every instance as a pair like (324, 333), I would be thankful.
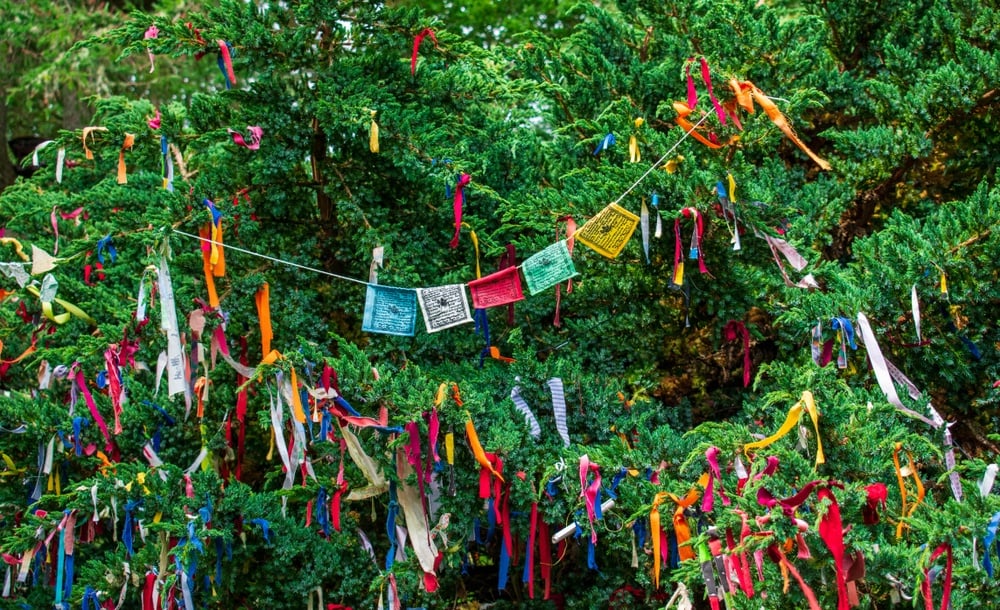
(681, 528)
(654, 528)
(129, 141)
(683, 111)
(206, 257)
(262, 299)
(477, 449)
(747, 93)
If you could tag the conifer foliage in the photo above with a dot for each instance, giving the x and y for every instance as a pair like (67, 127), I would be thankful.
(779, 393)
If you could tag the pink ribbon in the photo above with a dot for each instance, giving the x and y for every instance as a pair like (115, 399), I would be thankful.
(714, 474)
(81, 383)
(732, 331)
(589, 491)
(254, 132)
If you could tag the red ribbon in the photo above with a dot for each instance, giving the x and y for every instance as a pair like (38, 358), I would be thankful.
(589, 491)
(831, 530)
(227, 60)
(81, 383)
(545, 557)
(706, 76)
(463, 180)
(877, 496)
(925, 588)
(530, 549)
(733, 330)
(419, 38)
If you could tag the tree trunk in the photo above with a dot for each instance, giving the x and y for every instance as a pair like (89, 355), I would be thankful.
(7, 174)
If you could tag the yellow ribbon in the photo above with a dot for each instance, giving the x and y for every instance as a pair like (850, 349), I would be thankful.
(71, 309)
(449, 448)
(807, 404)
(373, 135)
(477, 449)
(129, 141)
(18, 248)
(633, 143)
(475, 246)
(12, 469)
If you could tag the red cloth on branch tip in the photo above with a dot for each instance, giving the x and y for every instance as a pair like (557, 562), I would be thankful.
(417, 40)
(463, 180)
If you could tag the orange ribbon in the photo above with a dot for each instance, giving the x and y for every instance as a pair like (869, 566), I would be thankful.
(206, 257)
(747, 93)
(654, 528)
(477, 449)
(262, 299)
(681, 528)
(683, 111)
(129, 141)
(906, 511)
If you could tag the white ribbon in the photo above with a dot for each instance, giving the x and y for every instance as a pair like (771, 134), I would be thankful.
(986, 485)
(915, 305)
(522, 406)
(559, 408)
(168, 323)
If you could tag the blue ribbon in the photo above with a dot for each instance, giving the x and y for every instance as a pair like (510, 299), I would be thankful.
(390, 526)
(844, 324)
(607, 142)
(265, 528)
(655, 200)
(129, 525)
(216, 214)
(720, 190)
(504, 567)
(78, 424)
(591, 558)
(482, 327)
(219, 549)
(105, 244)
(322, 512)
(90, 599)
(639, 527)
(988, 542)
(673, 552)
(551, 488)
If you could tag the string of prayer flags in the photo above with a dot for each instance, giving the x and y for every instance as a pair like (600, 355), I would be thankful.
(254, 132)
(225, 62)
(548, 267)
(805, 404)
(457, 203)
(747, 93)
(444, 306)
(390, 311)
(497, 289)
(42, 261)
(417, 40)
(126, 144)
(608, 232)
(373, 134)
